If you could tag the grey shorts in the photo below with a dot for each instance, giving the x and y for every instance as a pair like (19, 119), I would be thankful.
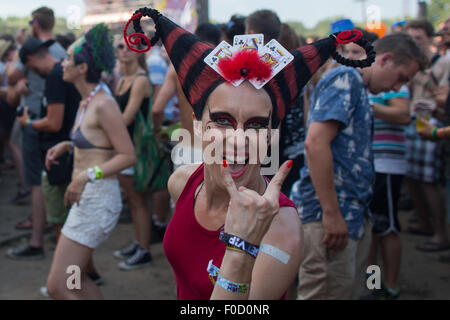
(31, 157)
(92, 220)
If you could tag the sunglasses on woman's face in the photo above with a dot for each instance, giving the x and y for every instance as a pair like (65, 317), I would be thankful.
(31, 21)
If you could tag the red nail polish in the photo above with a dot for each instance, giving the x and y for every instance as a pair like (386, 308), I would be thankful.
(289, 164)
(224, 163)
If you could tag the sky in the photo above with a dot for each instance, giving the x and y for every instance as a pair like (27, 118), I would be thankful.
(307, 11)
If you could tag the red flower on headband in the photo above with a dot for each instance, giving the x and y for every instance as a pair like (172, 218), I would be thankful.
(348, 36)
(244, 64)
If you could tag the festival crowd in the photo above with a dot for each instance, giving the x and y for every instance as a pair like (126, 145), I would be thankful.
(88, 125)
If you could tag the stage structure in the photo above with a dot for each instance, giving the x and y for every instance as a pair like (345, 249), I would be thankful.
(116, 13)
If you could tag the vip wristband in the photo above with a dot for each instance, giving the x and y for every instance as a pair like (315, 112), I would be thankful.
(239, 243)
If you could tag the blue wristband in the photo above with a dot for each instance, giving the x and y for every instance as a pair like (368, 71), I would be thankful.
(238, 243)
(228, 285)
(30, 125)
(232, 286)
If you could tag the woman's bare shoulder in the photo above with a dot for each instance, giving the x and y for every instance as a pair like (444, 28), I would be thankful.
(105, 106)
(179, 178)
(286, 222)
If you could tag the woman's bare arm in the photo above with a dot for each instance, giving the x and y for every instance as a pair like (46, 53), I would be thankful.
(112, 123)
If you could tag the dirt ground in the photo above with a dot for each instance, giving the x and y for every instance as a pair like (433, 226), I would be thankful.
(422, 275)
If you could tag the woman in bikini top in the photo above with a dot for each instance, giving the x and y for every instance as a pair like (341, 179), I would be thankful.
(102, 146)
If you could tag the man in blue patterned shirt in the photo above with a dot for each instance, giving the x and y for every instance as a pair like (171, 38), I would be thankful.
(335, 187)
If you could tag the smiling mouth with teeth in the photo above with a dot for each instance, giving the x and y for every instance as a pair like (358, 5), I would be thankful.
(238, 166)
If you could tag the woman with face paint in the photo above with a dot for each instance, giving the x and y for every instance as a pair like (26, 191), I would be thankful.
(102, 148)
(233, 235)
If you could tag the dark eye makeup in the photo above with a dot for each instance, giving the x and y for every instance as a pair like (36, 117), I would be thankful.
(223, 119)
(257, 123)
(226, 119)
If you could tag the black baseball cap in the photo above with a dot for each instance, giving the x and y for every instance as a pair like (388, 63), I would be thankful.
(31, 46)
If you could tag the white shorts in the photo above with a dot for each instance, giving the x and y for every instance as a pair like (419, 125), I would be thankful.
(92, 220)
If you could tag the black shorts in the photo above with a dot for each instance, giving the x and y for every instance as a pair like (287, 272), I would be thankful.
(31, 156)
(7, 116)
(384, 205)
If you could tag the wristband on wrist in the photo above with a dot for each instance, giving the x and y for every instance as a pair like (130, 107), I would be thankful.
(29, 123)
(98, 172)
(239, 243)
(433, 134)
(232, 286)
(229, 247)
(213, 272)
(228, 285)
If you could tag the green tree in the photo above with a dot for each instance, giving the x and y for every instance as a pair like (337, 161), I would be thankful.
(321, 29)
(438, 11)
(12, 24)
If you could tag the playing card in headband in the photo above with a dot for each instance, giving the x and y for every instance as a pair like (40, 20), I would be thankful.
(248, 41)
(276, 56)
(222, 51)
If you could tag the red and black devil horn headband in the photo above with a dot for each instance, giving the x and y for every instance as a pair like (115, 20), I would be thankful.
(198, 79)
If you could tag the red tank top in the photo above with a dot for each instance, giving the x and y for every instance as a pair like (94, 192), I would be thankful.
(189, 247)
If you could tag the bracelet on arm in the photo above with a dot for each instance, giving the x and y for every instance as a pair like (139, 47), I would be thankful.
(232, 286)
(98, 172)
(229, 247)
(228, 285)
(433, 134)
(29, 123)
(239, 243)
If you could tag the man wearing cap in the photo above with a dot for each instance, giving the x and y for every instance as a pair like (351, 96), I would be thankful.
(31, 87)
(59, 105)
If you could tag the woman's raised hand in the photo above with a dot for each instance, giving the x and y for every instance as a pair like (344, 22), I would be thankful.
(249, 214)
